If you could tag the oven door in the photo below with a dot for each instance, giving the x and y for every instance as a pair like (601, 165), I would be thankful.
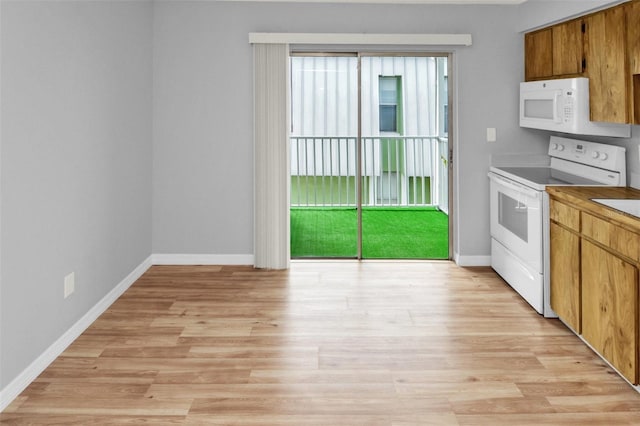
(516, 219)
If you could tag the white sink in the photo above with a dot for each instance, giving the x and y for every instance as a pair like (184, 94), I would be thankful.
(625, 205)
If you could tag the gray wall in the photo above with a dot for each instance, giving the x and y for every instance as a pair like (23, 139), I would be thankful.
(76, 169)
(539, 13)
(203, 137)
(203, 163)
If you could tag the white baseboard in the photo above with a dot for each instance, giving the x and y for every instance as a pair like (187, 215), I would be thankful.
(201, 259)
(472, 260)
(13, 389)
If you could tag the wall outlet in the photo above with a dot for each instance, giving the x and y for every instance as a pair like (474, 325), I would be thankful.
(69, 284)
(491, 134)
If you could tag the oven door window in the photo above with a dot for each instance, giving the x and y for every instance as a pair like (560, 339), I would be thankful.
(513, 215)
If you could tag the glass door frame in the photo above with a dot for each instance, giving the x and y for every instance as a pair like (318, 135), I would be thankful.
(359, 54)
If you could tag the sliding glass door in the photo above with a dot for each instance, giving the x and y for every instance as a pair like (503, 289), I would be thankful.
(369, 151)
(324, 156)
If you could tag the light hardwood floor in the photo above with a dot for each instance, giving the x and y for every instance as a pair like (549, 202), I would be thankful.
(326, 343)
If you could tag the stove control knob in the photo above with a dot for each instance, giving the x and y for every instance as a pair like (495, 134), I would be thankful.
(560, 147)
(595, 154)
(554, 146)
(603, 156)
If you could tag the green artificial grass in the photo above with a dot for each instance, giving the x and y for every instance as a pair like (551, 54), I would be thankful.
(387, 233)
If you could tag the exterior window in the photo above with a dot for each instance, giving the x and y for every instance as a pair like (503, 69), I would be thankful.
(388, 118)
(389, 101)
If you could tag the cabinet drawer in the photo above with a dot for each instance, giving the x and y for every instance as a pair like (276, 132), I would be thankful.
(564, 215)
(618, 239)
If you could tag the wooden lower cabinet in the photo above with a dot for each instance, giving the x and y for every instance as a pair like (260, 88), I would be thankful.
(565, 276)
(610, 308)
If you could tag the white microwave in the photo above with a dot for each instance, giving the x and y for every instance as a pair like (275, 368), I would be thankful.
(562, 105)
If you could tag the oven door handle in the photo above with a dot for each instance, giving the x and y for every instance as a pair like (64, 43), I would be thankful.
(514, 186)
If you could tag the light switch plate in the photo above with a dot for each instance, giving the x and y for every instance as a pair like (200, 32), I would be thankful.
(491, 134)
(69, 284)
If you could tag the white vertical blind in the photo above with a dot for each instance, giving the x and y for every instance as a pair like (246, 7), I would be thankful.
(271, 155)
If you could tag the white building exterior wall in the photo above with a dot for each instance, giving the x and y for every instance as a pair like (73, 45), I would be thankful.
(324, 108)
(324, 91)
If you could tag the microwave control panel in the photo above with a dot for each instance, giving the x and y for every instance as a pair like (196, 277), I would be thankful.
(567, 115)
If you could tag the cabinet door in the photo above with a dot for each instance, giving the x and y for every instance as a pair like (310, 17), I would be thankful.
(538, 59)
(605, 53)
(633, 36)
(567, 48)
(633, 51)
(565, 276)
(610, 308)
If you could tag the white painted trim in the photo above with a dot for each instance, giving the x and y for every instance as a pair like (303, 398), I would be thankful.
(472, 260)
(13, 389)
(362, 39)
(201, 259)
(1, 390)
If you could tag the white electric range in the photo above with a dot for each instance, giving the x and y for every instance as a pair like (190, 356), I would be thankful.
(519, 210)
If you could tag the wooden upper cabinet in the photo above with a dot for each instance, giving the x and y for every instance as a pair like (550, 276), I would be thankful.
(605, 56)
(554, 51)
(633, 36)
(603, 46)
(567, 48)
(633, 53)
(538, 54)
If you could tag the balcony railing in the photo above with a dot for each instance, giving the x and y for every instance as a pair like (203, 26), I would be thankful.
(396, 171)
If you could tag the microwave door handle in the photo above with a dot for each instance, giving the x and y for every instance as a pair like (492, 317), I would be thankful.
(556, 106)
(514, 186)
